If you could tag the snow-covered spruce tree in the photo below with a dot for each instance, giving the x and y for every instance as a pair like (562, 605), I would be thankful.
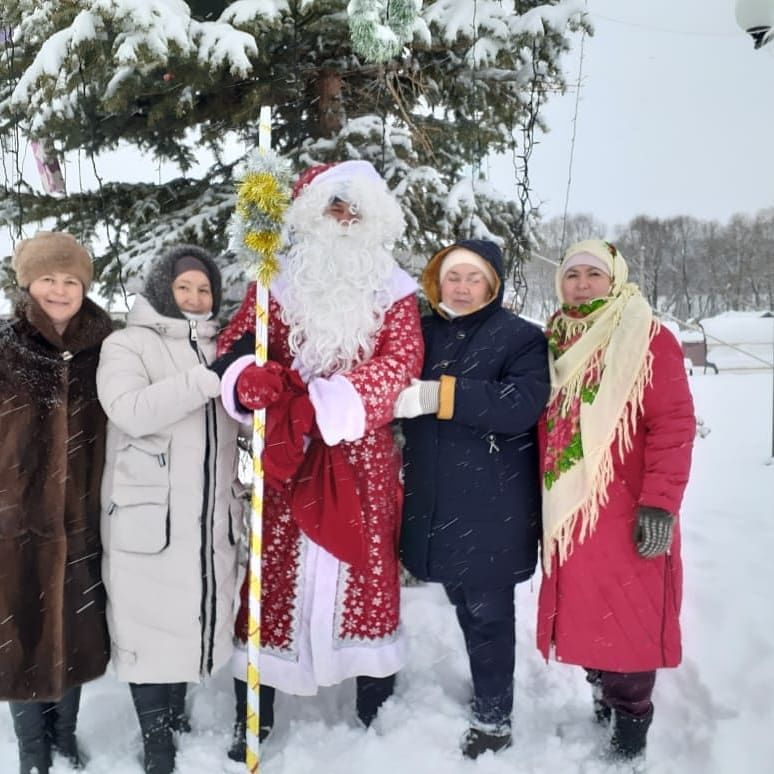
(175, 79)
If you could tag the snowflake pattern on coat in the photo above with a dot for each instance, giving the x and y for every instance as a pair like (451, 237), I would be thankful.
(368, 600)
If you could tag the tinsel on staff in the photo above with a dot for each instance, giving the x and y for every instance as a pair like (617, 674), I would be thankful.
(263, 196)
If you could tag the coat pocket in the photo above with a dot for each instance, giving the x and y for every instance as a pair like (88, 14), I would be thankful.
(139, 503)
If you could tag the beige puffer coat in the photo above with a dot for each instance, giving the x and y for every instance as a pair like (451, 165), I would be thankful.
(170, 519)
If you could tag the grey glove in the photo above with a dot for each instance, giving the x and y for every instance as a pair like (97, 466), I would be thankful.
(653, 531)
(417, 399)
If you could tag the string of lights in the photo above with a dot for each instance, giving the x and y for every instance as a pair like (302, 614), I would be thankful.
(652, 28)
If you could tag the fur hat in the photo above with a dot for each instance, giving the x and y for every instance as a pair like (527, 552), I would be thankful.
(51, 251)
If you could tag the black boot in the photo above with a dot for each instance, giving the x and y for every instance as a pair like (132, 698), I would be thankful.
(34, 745)
(266, 708)
(372, 692)
(152, 702)
(180, 722)
(629, 734)
(61, 727)
(602, 710)
(476, 742)
(238, 749)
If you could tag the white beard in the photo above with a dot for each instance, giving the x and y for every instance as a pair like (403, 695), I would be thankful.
(337, 275)
(336, 295)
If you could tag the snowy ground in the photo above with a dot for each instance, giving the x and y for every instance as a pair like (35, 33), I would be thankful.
(714, 715)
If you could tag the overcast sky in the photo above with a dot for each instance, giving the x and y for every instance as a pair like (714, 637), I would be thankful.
(676, 116)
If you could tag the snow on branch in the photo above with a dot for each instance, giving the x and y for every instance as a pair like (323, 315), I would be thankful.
(146, 33)
(53, 54)
(221, 44)
(246, 11)
(497, 21)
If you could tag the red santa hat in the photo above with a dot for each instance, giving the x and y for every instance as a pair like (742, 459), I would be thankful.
(340, 172)
(306, 177)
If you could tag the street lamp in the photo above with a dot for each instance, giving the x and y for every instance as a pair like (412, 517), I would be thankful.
(756, 18)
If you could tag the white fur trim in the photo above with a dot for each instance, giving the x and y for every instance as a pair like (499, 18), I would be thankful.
(228, 389)
(344, 172)
(239, 661)
(321, 659)
(338, 409)
(400, 285)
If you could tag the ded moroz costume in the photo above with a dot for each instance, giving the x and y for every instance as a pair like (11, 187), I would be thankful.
(343, 341)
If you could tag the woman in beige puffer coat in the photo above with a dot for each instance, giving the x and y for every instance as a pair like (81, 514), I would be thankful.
(169, 515)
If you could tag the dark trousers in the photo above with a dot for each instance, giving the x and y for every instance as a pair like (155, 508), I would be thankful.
(628, 692)
(153, 703)
(488, 622)
(41, 726)
(371, 693)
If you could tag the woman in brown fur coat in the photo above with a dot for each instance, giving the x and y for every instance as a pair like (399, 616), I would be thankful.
(53, 636)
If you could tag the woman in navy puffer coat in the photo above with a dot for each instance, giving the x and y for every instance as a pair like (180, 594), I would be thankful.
(472, 491)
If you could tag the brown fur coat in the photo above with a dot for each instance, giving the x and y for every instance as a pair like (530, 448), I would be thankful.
(52, 436)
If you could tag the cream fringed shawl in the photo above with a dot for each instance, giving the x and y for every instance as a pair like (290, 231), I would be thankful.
(597, 388)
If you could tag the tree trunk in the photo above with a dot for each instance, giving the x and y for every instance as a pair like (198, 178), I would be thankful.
(330, 106)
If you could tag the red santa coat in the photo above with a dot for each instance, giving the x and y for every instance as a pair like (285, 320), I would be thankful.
(321, 620)
(606, 607)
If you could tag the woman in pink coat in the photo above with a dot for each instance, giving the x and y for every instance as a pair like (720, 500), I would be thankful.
(617, 439)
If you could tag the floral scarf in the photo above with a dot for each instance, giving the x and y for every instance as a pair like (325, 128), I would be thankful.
(600, 362)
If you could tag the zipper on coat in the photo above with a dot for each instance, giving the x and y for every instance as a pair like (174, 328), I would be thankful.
(209, 590)
(208, 609)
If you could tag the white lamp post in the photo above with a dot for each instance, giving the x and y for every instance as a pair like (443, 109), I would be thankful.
(756, 18)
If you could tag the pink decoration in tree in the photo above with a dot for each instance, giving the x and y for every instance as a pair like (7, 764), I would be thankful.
(48, 168)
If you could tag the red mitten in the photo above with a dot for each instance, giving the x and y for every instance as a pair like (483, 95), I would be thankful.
(259, 386)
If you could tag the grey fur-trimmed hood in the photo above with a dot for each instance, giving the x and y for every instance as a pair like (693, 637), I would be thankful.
(158, 285)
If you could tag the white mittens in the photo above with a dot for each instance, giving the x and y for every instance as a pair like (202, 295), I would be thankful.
(417, 399)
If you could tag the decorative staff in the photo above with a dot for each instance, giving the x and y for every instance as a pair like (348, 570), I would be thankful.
(262, 198)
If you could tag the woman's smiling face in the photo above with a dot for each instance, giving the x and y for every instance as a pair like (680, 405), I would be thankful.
(582, 283)
(59, 295)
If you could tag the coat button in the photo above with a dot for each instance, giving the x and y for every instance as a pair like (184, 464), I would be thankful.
(460, 334)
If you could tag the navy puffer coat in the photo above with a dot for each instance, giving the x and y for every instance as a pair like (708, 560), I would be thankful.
(472, 487)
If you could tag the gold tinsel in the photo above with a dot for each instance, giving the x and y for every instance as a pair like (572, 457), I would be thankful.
(266, 272)
(266, 244)
(261, 190)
